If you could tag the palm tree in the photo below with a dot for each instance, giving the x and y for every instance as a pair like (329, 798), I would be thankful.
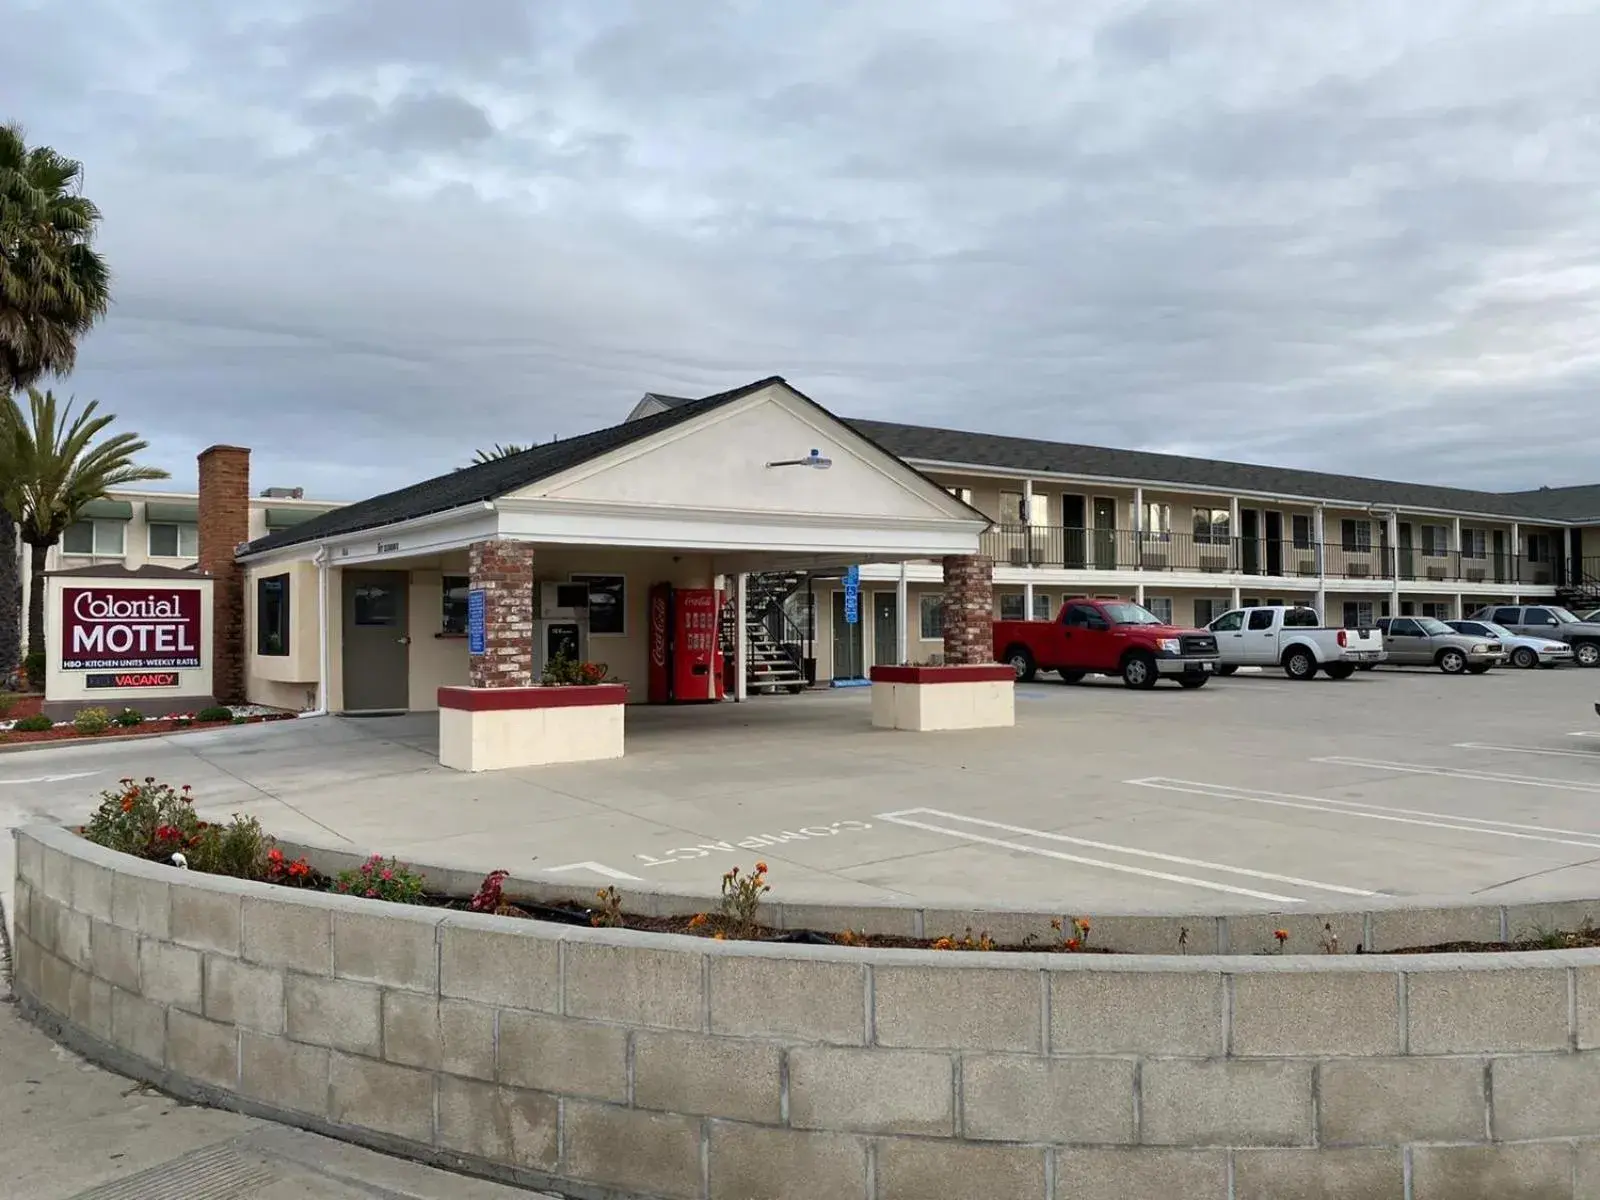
(53, 288)
(499, 451)
(50, 467)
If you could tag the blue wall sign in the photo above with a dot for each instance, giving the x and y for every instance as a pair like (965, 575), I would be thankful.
(852, 596)
(477, 638)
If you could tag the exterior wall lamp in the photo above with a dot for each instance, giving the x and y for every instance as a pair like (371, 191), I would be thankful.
(814, 459)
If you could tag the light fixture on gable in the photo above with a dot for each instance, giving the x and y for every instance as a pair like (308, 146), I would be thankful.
(814, 459)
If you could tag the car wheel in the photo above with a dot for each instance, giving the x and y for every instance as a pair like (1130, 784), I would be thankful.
(1299, 665)
(1139, 671)
(1073, 676)
(1587, 654)
(1524, 657)
(1198, 681)
(1452, 662)
(1339, 670)
(1227, 669)
(1021, 660)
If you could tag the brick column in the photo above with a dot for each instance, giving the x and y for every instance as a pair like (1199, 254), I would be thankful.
(225, 523)
(504, 570)
(968, 609)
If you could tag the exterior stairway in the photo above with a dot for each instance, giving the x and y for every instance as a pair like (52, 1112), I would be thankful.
(773, 666)
(1581, 592)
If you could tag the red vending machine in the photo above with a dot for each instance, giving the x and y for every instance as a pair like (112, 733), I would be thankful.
(685, 645)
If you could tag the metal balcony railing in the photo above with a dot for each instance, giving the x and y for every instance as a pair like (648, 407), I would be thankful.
(1281, 558)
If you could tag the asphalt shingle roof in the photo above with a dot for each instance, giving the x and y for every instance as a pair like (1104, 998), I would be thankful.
(924, 445)
(491, 480)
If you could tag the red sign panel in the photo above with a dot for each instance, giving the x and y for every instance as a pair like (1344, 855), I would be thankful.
(130, 629)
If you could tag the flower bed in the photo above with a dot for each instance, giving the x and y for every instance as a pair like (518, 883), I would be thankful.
(64, 731)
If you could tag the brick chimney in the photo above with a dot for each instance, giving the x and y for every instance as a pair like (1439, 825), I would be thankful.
(224, 523)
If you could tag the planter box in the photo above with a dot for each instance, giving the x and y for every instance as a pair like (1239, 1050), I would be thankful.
(491, 729)
(923, 699)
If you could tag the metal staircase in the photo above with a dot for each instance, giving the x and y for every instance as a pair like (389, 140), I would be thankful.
(771, 639)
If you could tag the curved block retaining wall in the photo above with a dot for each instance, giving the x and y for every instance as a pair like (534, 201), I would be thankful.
(611, 1063)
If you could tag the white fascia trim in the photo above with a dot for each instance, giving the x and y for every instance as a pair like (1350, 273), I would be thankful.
(719, 531)
(1090, 481)
(472, 519)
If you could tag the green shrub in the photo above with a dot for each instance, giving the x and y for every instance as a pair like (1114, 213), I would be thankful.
(215, 712)
(379, 880)
(90, 721)
(33, 669)
(129, 717)
(8, 701)
(38, 723)
(146, 818)
(238, 848)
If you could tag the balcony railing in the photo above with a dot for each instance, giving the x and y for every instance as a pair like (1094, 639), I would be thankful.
(1126, 550)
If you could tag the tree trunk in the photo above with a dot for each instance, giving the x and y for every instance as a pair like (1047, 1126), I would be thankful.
(10, 598)
(36, 599)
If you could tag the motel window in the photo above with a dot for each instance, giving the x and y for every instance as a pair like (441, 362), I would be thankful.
(1435, 541)
(1042, 611)
(931, 611)
(1161, 607)
(1012, 606)
(1474, 543)
(1541, 548)
(1013, 509)
(1206, 610)
(174, 541)
(1355, 536)
(1302, 532)
(1438, 611)
(272, 615)
(1158, 521)
(960, 493)
(1358, 614)
(608, 602)
(453, 614)
(1211, 526)
(100, 538)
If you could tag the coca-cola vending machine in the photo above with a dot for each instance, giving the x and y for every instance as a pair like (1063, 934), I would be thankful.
(685, 645)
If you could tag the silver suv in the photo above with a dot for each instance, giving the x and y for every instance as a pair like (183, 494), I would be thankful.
(1425, 642)
(1548, 621)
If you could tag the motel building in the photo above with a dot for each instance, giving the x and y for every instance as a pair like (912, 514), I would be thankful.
(754, 527)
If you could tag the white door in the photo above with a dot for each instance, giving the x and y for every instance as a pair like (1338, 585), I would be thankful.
(1260, 642)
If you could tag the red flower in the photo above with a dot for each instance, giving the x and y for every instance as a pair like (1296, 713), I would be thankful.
(275, 855)
(388, 875)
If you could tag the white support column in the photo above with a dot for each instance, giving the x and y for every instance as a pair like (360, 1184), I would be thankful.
(1234, 601)
(1317, 528)
(1514, 567)
(1394, 564)
(1235, 557)
(741, 638)
(1455, 536)
(1461, 607)
(1027, 600)
(1138, 538)
(902, 619)
(1027, 524)
(1566, 554)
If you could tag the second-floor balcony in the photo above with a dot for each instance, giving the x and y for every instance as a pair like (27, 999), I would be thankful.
(1127, 550)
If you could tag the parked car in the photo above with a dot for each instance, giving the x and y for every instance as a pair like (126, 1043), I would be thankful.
(1521, 650)
(1294, 638)
(1427, 642)
(1107, 637)
(1589, 614)
(1550, 621)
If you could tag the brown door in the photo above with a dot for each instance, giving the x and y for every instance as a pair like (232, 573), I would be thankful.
(377, 652)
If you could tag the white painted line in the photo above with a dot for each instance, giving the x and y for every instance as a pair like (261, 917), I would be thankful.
(52, 778)
(1591, 755)
(597, 868)
(1378, 764)
(1115, 849)
(1088, 862)
(1584, 733)
(1373, 812)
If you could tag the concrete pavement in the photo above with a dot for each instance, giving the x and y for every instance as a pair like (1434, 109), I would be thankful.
(71, 1131)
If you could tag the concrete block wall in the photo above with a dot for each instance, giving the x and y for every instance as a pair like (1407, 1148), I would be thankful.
(616, 1064)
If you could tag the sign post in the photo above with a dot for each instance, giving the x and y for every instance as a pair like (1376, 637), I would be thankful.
(477, 634)
(852, 596)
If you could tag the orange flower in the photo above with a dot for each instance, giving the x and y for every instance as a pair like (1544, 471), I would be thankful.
(1073, 943)
(944, 943)
(1281, 934)
(719, 936)
(127, 804)
(1082, 923)
(761, 868)
(696, 921)
(1055, 923)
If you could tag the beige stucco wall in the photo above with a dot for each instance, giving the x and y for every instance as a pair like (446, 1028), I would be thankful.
(286, 680)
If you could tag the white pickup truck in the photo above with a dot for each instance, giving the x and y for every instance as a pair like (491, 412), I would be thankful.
(1293, 638)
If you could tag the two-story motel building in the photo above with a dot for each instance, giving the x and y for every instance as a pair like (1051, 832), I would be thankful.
(361, 607)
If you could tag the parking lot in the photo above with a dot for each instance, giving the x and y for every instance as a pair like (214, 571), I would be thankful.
(1252, 793)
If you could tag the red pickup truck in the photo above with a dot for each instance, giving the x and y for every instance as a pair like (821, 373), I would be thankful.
(1107, 637)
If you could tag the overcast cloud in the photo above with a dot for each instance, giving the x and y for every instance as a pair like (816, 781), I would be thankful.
(364, 237)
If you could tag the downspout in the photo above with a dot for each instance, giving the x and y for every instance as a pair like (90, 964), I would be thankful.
(321, 559)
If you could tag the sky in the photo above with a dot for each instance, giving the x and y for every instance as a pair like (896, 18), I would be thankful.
(365, 237)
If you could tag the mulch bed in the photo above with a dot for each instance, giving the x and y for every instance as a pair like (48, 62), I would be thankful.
(66, 733)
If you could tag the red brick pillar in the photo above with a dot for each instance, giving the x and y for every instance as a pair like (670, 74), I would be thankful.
(504, 570)
(224, 523)
(968, 609)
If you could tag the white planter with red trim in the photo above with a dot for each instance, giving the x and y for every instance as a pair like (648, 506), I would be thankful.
(923, 699)
(491, 729)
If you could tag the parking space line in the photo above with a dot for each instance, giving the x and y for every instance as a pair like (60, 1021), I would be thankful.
(1129, 850)
(1374, 812)
(1591, 755)
(1060, 856)
(1378, 764)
